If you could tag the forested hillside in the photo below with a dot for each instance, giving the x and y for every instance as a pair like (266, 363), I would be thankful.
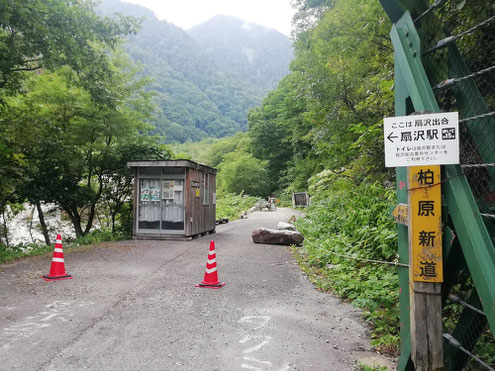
(199, 94)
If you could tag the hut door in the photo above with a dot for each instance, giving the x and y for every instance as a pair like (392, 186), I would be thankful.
(172, 205)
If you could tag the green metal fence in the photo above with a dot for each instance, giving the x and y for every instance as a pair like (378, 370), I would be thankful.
(445, 61)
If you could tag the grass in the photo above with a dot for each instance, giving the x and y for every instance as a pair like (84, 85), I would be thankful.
(22, 251)
(231, 205)
(349, 220)
(371, 368)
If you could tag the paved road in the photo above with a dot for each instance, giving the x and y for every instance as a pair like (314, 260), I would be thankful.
(133, 305)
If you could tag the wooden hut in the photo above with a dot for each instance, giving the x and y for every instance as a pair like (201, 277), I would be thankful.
(173, 198)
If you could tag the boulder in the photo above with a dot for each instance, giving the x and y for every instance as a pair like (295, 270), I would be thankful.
(262, 204)
(277, 237)
(285, 226)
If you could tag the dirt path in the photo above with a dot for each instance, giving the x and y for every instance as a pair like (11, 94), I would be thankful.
(133, 305)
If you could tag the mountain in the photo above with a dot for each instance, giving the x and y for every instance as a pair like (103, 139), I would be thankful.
(199, 95)
(258, 54)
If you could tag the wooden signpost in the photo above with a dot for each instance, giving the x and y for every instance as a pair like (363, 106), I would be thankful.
(422, 143)
(425, 266)
(425, 222)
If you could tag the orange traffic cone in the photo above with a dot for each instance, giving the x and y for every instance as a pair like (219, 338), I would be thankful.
(211, 275)
(57, 270)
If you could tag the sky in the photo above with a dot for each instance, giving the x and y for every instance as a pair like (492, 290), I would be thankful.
(275, 14)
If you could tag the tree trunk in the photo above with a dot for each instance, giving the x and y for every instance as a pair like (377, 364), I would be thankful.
(114, 215)
(92, 208)
(5, 230)
(44, 228)
(31, 224)
(91, 217)
(76, 221)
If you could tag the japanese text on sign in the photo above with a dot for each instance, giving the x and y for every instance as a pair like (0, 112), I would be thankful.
(425, 223)
(422, 139)
(400, 213)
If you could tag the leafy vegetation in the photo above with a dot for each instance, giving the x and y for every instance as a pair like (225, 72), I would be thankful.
(327, 113)
(95, 237)
(231, 205)
(243, 173)
(346, 224)
(73, 111)
(40, 34)
(372, 368)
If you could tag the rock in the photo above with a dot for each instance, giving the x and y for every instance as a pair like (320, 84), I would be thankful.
(272, 236)
(285, 226)
(262, 204)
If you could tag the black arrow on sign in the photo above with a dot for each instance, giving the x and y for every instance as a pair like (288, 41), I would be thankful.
(390, 137)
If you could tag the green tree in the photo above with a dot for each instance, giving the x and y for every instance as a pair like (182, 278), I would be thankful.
(217, 151)
(242, 173)
(276, 130)
(46, 34)
(73, 147)
(327, 113)
(41, 35)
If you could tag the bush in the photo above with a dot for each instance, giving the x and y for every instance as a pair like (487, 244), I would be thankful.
(348, 219)
(231, 205)
(125, 218)
(17, 252)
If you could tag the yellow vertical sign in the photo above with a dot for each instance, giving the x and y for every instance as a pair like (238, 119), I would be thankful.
(425, 223)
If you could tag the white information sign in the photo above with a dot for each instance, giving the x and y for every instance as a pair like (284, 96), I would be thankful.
(430, 139)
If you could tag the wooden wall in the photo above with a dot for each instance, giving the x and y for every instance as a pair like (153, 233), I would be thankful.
(203, 216)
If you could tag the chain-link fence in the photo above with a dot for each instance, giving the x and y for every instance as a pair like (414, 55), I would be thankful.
(458, 42)
(458, 53)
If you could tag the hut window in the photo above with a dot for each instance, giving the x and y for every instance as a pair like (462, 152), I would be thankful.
(149, 171)
(206, 180)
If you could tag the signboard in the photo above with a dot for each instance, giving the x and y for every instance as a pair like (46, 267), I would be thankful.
(425, 223)
(145, 194)
(430, 139)
(400, 214)
(197, 188)
(168, 190)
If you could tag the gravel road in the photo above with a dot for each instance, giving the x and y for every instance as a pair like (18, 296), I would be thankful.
(133, 305)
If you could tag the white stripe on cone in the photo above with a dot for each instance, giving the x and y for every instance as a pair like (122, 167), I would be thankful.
(211, 252)
(211, 270)
(211, 261)
(58, 260)
(58, 249)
